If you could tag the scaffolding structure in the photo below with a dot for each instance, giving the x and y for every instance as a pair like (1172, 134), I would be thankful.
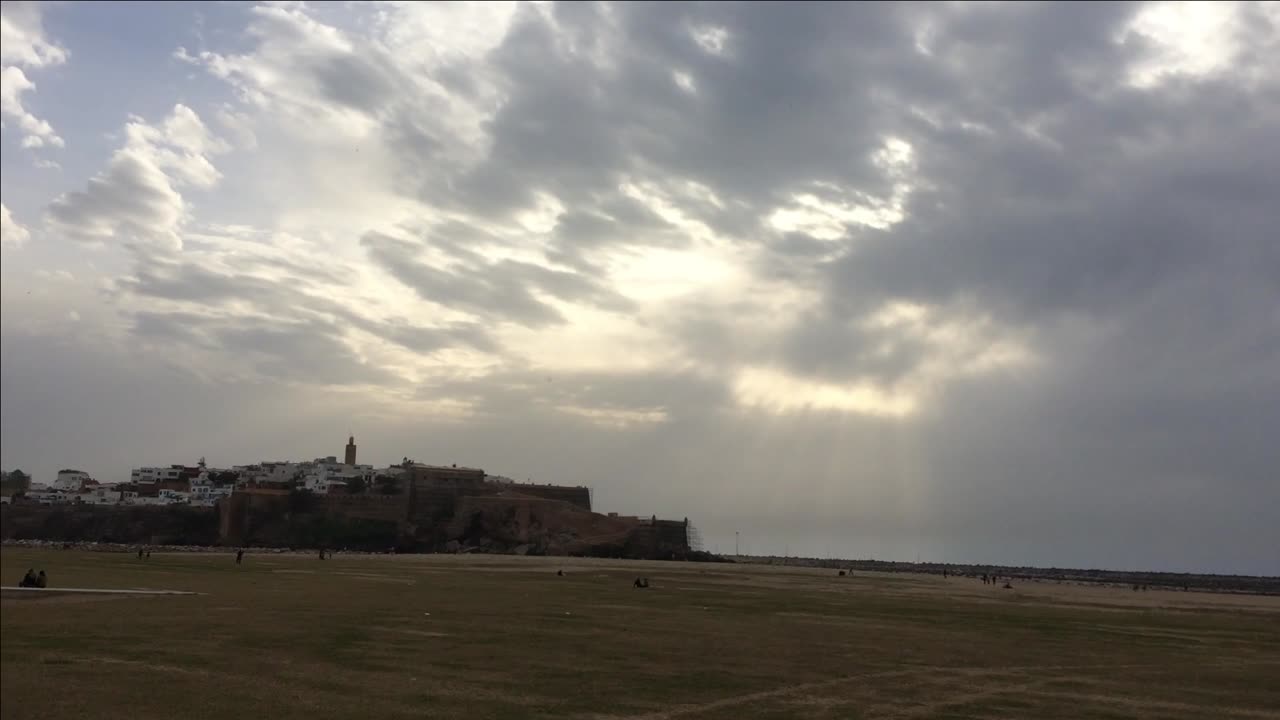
(693, 537)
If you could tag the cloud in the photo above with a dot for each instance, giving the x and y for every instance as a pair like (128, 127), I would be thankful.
(24, 45)
(38, 133)
(12, 233)
(22, 33)
(503, 289)
(958, 279)
(136, 199)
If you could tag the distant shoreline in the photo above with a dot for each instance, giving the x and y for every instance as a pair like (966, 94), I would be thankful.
(1153, 580)
(1144, 580)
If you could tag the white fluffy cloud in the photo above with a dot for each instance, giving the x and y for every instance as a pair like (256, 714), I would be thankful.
(12, 234)
(37, 132)
(23, 44)
(137, 197)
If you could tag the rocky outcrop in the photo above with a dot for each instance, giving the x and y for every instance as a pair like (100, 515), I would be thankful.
(512, 522)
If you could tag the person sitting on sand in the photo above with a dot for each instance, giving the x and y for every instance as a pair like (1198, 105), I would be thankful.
(28, 580)
(42, 580)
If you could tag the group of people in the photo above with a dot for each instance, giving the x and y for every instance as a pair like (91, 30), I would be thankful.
(32, 580)
(144, 553)
(325, 554)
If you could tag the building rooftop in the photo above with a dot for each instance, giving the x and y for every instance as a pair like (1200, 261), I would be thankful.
(445, 467)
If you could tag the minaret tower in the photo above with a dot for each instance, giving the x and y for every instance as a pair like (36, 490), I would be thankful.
(351, 451)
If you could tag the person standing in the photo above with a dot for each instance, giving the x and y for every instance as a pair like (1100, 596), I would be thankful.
(239, 556)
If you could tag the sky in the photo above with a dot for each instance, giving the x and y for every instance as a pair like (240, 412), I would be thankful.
(962, 282)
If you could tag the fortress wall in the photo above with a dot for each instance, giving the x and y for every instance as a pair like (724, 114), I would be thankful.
(390, 508)
(579, 496)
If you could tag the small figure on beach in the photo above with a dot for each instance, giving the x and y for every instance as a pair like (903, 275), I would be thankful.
(42, 580)
(28, 580)
(239, 556)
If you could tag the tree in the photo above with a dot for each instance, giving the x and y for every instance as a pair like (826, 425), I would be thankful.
(17, 483)
(356, 485)
(388, 484)
(224, 477)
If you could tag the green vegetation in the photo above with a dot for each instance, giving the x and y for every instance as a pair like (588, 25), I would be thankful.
(15, 483)
(291, 636)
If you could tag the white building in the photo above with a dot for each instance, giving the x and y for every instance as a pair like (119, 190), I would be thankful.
(206, 494)
(71, 480)
(154, 475)
(325, 473)
(49, 498)
(100, 495)
(175, 497)
(143, 500)
(274, 472)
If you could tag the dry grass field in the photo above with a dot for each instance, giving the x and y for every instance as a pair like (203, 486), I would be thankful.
(503, 637)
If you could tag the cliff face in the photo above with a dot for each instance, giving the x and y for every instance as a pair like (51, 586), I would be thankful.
(512, 522)
(516, 523)
(127, 525)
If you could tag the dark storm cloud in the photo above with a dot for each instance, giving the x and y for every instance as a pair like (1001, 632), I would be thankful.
(1095, 223)
(1068, 192)
(788, 103)
(830, 347)
(192, 282)
(357, 82)
(301, 352)
(513, 391)
(499, 290)
(309, 352)
(131, 199)
(281, 295)
(1125, 232)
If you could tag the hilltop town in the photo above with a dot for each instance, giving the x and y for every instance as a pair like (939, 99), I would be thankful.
(202, 486)
(410, 506)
